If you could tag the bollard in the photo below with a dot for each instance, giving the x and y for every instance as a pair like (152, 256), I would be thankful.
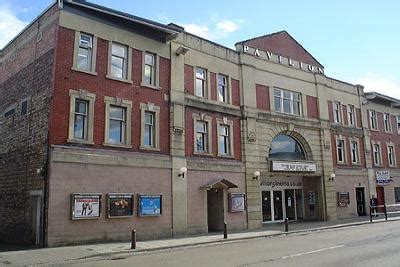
(133, 240)
(225, 231)
(370, 214)
(286, 225)
(384, 206)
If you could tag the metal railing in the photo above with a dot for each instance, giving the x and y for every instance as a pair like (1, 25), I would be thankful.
(385, 209)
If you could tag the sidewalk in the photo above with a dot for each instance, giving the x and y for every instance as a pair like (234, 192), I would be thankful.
(72, 254)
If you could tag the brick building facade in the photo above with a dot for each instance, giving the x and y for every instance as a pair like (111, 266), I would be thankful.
(110, 121)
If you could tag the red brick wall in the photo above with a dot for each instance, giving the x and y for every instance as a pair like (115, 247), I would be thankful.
(67, 79)
(189, 133)
(235, 92)
(312, 107)
(348, 162)
(330, 111)
(262, 97)
(358, 118)
(213, 85)
(344, 115)
(189, 79)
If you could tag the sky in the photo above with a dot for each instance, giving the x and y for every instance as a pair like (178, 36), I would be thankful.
(356, 41)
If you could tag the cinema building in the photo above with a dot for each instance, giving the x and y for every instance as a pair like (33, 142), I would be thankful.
(111, 122)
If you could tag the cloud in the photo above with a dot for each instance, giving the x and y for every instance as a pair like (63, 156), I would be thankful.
(380, 83)
(10, 26)
(198, 30)
(227, 26)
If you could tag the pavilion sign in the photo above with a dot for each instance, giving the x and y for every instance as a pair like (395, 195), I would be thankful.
(293, 166)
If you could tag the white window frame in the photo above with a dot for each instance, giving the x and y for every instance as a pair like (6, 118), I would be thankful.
(204, 82)
(83, 95)
(377, 153)
(93, 53)
(338, 141)
(127, 68)
(224, 122)
(227, 86)
(155, 73)
(291, 99)
(355, 158)
(127, 104)
(337, 112)
(387, 123)
(208, 120)
(150, 107)
(398, 124)
(351, 116)
(373, 120)
(391, 146)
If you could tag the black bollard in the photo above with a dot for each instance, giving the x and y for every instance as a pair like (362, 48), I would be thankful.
(385, 210)
(286, 225)
(370, 214)
(133, 240)
(225, 231)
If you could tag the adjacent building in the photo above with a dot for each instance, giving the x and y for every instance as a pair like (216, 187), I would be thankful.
(111, 122)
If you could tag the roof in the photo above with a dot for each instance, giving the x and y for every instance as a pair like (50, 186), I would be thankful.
(169, 29)
(381, 97)
(219, 183)
(282, 43)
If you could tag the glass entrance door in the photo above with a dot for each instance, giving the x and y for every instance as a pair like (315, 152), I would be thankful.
(278, 209)
(290, 204)
(280, 204)
(299, 204)
(266, 206)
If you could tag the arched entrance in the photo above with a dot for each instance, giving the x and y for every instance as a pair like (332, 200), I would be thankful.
(286, 192)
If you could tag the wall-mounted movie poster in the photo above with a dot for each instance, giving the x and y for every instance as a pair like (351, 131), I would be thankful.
(120, 205)
(150, 205)
(236, 202)
(85, 206)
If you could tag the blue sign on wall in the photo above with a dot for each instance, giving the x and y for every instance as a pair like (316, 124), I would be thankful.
(150, 205)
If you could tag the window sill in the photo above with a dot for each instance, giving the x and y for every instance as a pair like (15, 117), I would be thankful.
(288, 114)
(374, 130)
(84, 71)
(150, 86)
(119, 79)
(226, 156)
(155, 149)
(389, 132)
(78, 141)
(206, 154)
(117, 145)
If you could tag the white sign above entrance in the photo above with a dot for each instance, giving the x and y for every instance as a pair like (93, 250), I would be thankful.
(293, 166)
(383, 178)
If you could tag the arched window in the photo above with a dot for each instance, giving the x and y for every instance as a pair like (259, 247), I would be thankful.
(284, 147)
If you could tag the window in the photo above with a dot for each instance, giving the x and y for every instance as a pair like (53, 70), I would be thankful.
(354, 152)
(9, 112)
(201, 81)
(118, 122)
(286, 147)
(222, 88)
(372, 120)
(287, 101)
(386, 122)
(85, 53)
(397, 194)
(201, 136)
(351, 115)
(340, 150)
(337, 118)
(81, 117)
(225, 137)
(24, 107)
(119, 61)
(150, 115)
(398, 124)
(149, 69)
(377, 154)
(391, 156)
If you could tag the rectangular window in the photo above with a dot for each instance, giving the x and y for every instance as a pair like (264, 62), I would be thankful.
(149, 68)
(222, 88)
(354, 152)
(81, 119)
(224, 140)
(372, 120)
(337, 111)
(119, 61)
(340, 150)
(398, 124)
(85, 52)
(377, 154)
(117, 125)
(397, 194)
(351, 115)
(149, 129)
(391, 156)
(24, 107)
(287, 101)
(201, 81)
(386, 122)
(201, 136)
(9, 113)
